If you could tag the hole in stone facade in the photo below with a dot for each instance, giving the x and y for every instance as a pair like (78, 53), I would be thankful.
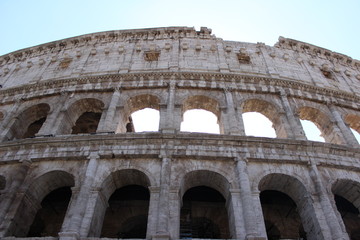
(350, 216)
(256, 124)
(34, 128)
(203, 214)
(86, 123)
(327, 74)
(50, 217)
(356, 134)
(199, 120)
(243, 58)
(65, 63)
(312, 132)
(29, 122)
(146, 119)
(282, 220)
(127, 214)
(151, 56)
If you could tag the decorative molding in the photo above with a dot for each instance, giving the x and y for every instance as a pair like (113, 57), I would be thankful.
(236, 82)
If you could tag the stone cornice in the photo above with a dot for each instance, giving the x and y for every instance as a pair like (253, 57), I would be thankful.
(131, 35)
(221, 81)
(202, 146)
(295, 45)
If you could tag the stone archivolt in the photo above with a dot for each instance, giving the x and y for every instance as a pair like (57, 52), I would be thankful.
(72, 169)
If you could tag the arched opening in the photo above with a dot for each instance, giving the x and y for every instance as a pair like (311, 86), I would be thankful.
(282, 221)
(322, 122)
(356, 134)
(126, 216)
(288, 208)
(83, 116)
(29, 122)
(146, 119)
(50, 216)
(206, 210)
(86, 123)
(201, 114)
(354, 123)
(198, 120)
(261, 113)
(346, 195)
(312, 132)
(203, 214)
(141, 113)
(257, 125)
(43, 207)
(121, 209)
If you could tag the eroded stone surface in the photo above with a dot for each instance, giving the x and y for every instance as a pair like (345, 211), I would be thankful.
(89, 86)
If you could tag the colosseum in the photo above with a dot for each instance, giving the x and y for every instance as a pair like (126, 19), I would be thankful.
(72, 166)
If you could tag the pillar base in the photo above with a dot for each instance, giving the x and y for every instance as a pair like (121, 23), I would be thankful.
(255, 238)
(69, 236)
(161, 236)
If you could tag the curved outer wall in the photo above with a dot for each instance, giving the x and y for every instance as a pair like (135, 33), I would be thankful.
(172, 70)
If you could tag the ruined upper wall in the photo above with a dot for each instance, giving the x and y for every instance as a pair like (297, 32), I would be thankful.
(176, 49)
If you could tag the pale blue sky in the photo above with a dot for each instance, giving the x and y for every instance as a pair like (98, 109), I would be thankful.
(330, 24)
(326, 23)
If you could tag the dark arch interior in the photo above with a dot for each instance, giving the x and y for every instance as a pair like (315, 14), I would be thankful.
(87, 123)
(203, 214)
(127, 214)
(50, 217)
(350, 216)
(34, 128)
(282, 220)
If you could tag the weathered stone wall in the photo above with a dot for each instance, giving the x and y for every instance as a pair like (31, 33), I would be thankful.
(174, 70)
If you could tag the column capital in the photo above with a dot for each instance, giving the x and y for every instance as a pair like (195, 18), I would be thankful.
(93, 155)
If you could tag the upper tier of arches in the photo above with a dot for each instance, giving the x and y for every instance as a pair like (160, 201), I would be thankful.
(97, 112)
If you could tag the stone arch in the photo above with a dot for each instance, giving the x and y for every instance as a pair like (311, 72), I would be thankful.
(353, 121)
(115, 181)
(133, 104)
(347, 200)
(205, 103)
(269, 110)
(297, 191)
(82, 116)
(39, 188)
(28, 122)
(206, 178)
(124, 177)
(211, 183)
(323, 121)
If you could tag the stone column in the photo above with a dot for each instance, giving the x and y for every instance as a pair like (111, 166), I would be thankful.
(235, 213)
(9, 120)
(9, 203)
(258, 214)
(296, 131)
(92, 221)
(246, 198)
(169, 122)
(327, 209)
(344, 130)
(162, 226)
(153, 211)
(50, 126)
(108, 123)
(77, 213)
(174, 209)
(234, 125)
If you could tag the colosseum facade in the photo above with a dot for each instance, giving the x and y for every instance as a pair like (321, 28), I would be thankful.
(72, 167)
